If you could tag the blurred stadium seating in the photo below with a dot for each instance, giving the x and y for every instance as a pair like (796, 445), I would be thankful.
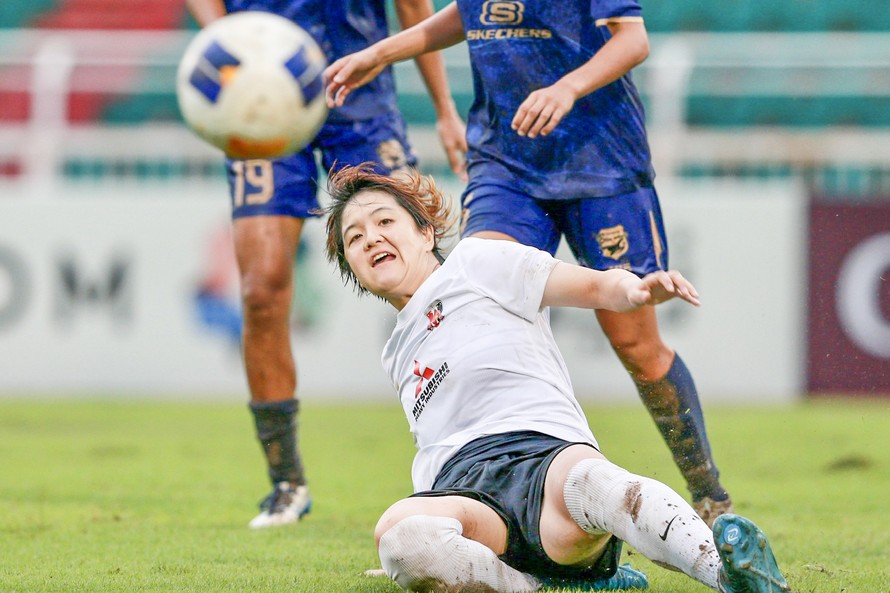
(756, 88)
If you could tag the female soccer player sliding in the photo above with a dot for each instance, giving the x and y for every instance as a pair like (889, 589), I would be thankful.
(512, 492)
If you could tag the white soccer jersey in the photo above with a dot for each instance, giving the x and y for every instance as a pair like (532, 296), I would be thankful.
(472, 354)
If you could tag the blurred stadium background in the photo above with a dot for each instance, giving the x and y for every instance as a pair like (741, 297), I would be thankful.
(770, 126)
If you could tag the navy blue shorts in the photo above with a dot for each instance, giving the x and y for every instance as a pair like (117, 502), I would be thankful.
(624, 231)
(288, 186)
(506, 472)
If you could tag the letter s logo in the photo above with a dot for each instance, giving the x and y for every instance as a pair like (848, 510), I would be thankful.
(499, 12)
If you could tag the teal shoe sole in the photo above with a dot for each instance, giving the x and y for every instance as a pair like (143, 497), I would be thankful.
(748, 562)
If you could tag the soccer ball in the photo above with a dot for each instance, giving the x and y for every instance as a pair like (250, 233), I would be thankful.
(250, 83)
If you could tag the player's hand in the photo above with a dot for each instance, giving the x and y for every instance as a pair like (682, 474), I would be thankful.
(348, 73)
(543, 109)
(453, 135)
(661, 286)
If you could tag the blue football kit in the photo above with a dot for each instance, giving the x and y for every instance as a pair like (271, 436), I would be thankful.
(539, 189)
(367, 128)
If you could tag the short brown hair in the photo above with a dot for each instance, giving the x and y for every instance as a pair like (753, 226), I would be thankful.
(414, 192)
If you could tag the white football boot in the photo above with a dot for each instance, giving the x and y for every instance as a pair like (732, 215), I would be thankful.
(285, 505)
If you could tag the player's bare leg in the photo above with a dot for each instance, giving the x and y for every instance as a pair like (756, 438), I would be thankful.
(265, 247)
(668, 392)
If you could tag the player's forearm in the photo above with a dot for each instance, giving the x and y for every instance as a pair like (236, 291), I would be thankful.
(574, 286)
(206, 11)
(628, 47)
(442, 29)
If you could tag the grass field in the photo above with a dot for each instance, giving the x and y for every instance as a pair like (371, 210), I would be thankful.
(155, 496)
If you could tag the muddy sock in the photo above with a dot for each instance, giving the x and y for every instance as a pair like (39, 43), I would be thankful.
(429, 553)
(276, 429)
(604, 498)
(673, 403)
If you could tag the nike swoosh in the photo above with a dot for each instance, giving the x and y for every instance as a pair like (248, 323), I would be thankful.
(664, 535)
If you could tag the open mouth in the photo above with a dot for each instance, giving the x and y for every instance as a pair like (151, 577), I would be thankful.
(382, 257)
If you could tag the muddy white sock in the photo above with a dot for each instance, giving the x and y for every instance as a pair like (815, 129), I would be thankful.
(426, 553)
(646, 514)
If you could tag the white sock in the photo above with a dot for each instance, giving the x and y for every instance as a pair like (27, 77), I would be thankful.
(646, 514)
(426, 553)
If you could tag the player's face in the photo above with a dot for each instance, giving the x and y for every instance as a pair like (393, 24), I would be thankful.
(386, 251)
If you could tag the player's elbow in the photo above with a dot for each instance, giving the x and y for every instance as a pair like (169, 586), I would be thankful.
(644, 50)
(640, 49)
(635, 42)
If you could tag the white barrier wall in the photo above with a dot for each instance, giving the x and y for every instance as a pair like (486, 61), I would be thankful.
(98, 295)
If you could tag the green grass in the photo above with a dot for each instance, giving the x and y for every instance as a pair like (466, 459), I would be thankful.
(155, 496)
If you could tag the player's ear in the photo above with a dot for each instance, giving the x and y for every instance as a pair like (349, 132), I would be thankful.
(429, 233)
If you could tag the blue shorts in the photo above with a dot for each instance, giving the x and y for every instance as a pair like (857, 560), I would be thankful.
(623, 231)
(289, 186)
(506, 472)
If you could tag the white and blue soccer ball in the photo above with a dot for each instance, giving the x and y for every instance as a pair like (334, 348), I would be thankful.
(250, 83)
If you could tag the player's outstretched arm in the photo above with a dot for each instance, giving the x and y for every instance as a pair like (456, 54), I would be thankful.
(544, 108)
(616, 290)
(441, 30)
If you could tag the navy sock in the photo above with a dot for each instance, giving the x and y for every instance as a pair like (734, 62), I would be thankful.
(276, 429)
(673, 403)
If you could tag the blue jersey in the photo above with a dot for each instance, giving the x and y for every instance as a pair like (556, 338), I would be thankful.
(340, 27)
(516, 47)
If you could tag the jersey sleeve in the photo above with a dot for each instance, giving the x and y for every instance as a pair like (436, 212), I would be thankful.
(615, 11)
(511, 274)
